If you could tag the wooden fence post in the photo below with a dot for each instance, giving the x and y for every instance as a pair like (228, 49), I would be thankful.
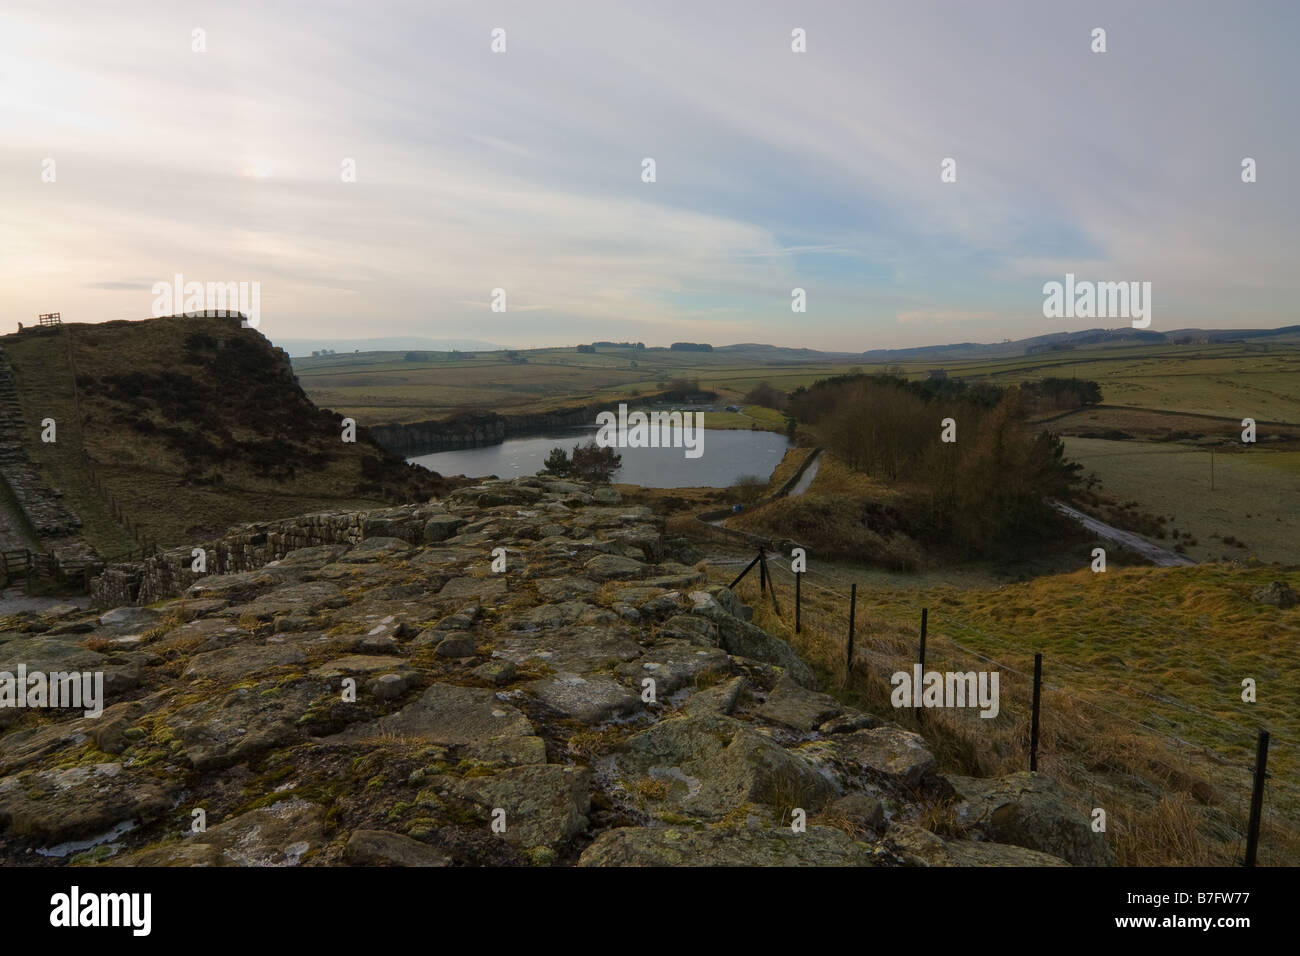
(853, 611)
(798, 578)
(925, 613)
(1033, 730)
(1257, 797)
(771, 582)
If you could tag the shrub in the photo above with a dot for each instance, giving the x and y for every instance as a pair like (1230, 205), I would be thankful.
(748, 489)
(557, 463)
(767, 396)
(593, 463)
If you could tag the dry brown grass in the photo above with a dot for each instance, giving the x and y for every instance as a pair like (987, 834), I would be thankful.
(651, 789)
(1164, 803)
(841, 821)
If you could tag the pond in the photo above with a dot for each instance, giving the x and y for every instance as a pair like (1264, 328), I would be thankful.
(727, 454)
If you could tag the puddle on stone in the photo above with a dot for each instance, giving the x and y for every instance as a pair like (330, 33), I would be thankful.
(62, 850)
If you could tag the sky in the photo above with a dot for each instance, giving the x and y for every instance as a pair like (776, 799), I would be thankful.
(523, 170)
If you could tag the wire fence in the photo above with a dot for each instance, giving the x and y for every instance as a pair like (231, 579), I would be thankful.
(1203, 769)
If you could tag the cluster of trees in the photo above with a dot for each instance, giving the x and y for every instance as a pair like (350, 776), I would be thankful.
(690, 347)
(451, 356)
(983, 492)
(587, 348)
(621, 345)
(680, 389)
(1062, 393)
(766, 395)
(1054, 393)
(589, 462)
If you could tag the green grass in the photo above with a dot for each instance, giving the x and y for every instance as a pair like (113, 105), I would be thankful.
(153, 477)
(1256, 494)
(44, 383)
(1142, 712)
(1229, 381)
(1224, 381)
(381, 386)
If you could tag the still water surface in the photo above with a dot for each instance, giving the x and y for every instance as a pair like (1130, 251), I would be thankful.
(727, 455)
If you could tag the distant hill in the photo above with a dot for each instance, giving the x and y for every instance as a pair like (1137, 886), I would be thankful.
(780, 353)
(1061, 341)
(189, 425)
(299, 348)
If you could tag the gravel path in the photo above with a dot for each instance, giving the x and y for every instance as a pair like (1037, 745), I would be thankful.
(806, 478)
(1161, 556)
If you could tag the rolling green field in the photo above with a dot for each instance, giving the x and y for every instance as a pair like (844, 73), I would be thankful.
(1224, 381)
(378, 387)
(1231, 381)
(1149, 391)
(1256, 496)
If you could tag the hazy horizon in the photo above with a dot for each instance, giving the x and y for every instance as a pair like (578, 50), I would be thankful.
(775, 170)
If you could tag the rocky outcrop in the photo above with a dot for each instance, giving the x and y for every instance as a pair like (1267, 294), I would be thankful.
(1278, 594)
(1029, 810)
(674, 846)
(253, 546)
(538, 681)
(913, 846)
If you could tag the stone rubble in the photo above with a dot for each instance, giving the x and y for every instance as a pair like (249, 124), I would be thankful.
(363, 688)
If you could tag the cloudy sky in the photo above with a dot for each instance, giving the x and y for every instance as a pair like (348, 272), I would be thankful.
(774, 170)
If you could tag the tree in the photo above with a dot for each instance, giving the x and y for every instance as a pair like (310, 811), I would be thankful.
(557, 463)
(767, 396)
(593, 463)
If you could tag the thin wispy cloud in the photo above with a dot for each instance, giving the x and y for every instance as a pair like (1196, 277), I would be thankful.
(774, 170)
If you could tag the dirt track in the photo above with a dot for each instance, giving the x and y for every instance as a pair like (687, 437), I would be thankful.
(1161, 556)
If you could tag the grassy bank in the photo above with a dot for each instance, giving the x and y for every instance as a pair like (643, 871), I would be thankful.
(1142, 714)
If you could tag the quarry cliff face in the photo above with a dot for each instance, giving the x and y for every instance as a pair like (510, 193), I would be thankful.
(522, 672)
(477, 428)
(474, 429)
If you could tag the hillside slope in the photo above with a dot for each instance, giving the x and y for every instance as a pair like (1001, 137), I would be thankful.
(189, 425)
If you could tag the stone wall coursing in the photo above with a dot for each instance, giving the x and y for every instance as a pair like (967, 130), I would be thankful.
(39, 503)
(56, 529)
(248, 547)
